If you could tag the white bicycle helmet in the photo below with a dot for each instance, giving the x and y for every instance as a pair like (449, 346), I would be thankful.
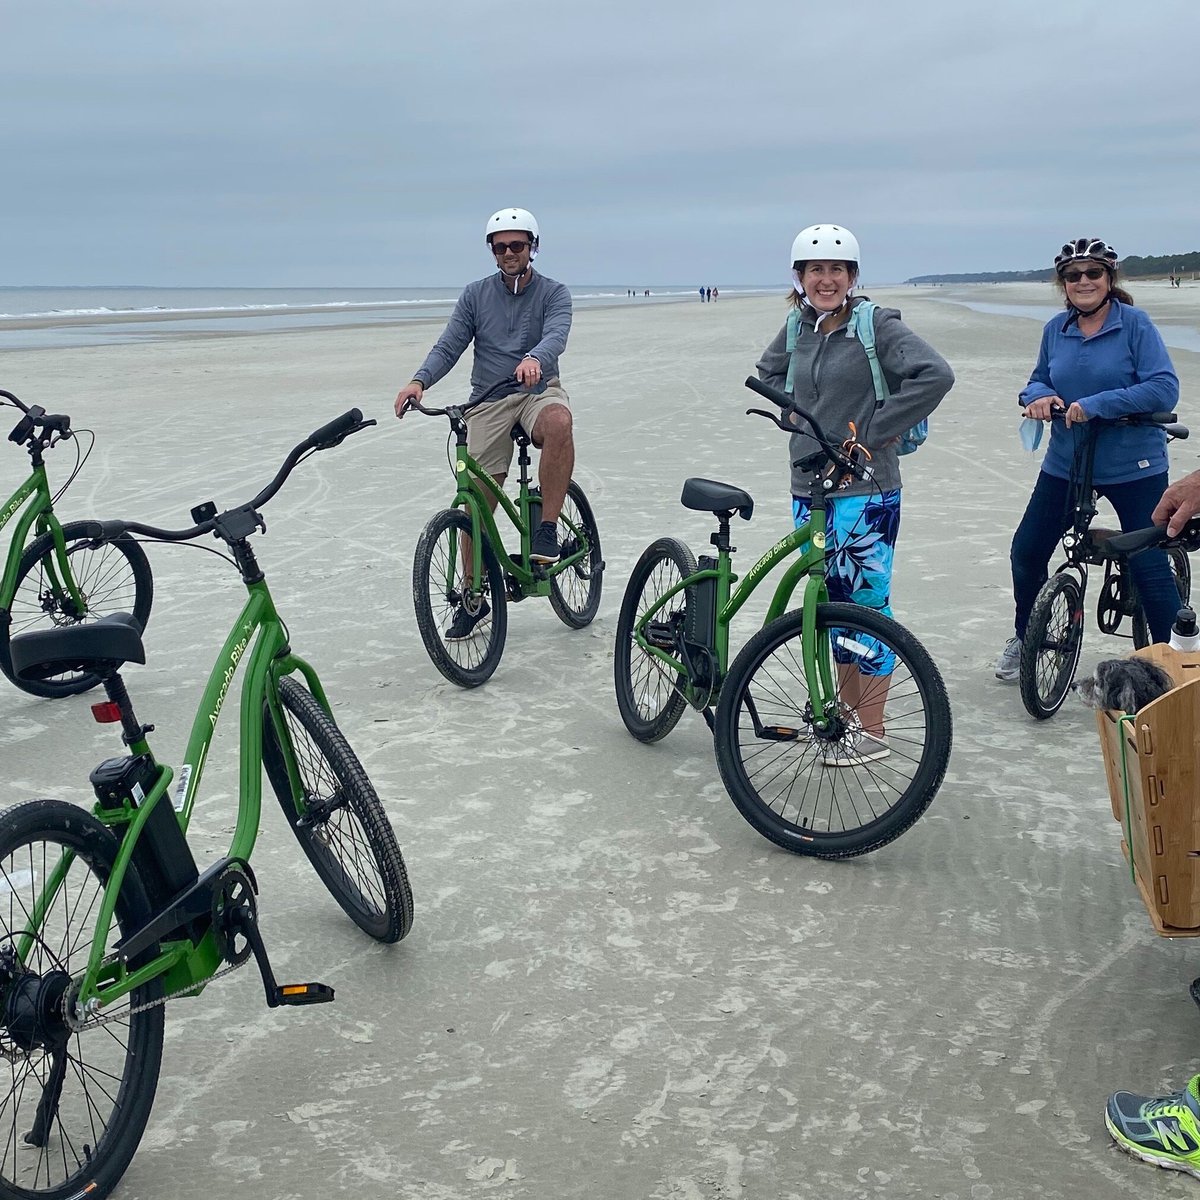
(825, 241)
(513, 220)
(1085, 250)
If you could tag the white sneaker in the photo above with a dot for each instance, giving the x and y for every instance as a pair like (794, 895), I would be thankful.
(1008, 665)
(867, 749)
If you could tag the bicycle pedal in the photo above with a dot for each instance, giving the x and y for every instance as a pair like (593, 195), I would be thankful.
(778, 733)
(303, 993)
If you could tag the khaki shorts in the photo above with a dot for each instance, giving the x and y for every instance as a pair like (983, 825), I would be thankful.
(489, 426)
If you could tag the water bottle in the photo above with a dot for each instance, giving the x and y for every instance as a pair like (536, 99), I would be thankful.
(1184, 634)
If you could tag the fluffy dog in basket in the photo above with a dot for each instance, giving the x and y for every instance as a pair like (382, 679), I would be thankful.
(1124, 683)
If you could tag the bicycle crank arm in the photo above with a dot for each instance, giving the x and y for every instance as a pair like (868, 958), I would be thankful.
(770, 733)
(277, 994)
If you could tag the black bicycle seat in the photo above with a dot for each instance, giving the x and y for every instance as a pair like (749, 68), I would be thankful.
(518, 435)
(707, 495)
(97, 648)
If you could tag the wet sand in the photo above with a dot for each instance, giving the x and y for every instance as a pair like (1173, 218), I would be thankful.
(614, 987)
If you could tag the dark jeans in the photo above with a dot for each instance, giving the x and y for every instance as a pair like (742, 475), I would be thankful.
(1046, 519)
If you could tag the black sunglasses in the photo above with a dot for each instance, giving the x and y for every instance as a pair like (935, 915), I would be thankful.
(1090, 272)
(505, 247)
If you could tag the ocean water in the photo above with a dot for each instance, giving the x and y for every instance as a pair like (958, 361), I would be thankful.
(57, 317)
(1178, 337)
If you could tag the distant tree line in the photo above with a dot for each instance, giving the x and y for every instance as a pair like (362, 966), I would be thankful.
(1133, 267)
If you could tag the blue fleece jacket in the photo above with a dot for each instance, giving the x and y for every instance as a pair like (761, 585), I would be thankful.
(1123, 368)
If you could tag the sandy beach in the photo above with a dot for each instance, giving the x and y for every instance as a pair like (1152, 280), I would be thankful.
(614, 986)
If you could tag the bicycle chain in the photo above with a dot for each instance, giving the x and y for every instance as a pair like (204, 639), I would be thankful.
(96, 1022)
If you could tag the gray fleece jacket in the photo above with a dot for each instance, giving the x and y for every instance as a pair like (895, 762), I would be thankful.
(832, 380)
(504, 327)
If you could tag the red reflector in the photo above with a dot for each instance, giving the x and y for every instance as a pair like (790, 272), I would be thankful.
(107, 712)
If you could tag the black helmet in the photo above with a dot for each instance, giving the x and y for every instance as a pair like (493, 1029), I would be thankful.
(1090, 249)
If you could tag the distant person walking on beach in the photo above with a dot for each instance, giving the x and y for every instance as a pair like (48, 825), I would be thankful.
(1101, 358)
(708, 295)
(863, 520)
(519, 321)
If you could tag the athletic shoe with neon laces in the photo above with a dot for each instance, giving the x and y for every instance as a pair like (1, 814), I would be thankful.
(1162, 1130)
(1008, 665)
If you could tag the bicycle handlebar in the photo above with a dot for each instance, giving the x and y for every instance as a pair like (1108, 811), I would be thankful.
(784, 401)
(1168, 422)
(461, 410)
(325, 438)
(35, 416)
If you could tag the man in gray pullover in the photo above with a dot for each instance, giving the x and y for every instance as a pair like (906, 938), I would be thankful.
(518, 321)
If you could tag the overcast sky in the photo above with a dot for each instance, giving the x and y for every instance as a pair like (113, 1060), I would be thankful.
(310, 142)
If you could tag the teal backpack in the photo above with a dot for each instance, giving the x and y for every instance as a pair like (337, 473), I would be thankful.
(862, 326)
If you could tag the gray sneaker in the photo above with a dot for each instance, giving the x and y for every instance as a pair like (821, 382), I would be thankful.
(1008, 665)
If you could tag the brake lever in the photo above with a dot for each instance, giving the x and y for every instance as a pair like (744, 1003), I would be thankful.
(758, 412)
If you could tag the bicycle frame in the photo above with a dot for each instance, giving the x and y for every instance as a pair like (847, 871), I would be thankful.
(475, 486)
(258, 640)
(34, 494)
(810, 565)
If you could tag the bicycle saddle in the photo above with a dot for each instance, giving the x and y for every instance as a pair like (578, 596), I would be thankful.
(97, 648)
(518, 435)
(707, 495)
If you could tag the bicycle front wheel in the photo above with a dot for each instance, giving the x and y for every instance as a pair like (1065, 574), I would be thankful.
(1051, 646)
(462, 624)
(575, 592)
(113, 577)
(74, 1100)
(339, 823)
(860, 782)
(648, 694)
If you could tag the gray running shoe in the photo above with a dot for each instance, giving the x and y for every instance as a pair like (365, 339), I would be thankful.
(1008, 665)
(867, 749)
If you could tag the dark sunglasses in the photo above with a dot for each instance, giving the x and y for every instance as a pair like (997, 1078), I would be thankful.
(505, 247)
(1090, 272)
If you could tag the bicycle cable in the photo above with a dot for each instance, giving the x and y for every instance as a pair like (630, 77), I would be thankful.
(81, 458)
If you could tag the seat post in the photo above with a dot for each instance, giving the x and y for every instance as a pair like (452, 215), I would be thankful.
(523, 461)
(114, 689)
(720, 539)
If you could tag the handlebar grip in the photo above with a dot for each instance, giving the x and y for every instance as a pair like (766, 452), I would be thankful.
(778, 398)
(105, 531)
(329, 435)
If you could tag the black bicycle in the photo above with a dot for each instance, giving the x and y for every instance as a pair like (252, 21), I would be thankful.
(1054, 637)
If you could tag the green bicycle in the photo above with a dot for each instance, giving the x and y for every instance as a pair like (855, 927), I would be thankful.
(461, 564)
(104, 916)
(832, 725)
(60, 577)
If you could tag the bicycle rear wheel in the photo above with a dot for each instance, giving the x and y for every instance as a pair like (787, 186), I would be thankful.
(1181, 569)
(648, 694)
(575, 592)
(74, 1100)
(341, 825)
(465, 655)
(1051, 646)
(861, 782)
(113, 577)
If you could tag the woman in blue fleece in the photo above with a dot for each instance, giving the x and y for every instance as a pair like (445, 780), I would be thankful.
(1100, 358)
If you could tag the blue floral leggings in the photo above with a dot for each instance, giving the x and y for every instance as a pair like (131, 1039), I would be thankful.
(860, 543)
